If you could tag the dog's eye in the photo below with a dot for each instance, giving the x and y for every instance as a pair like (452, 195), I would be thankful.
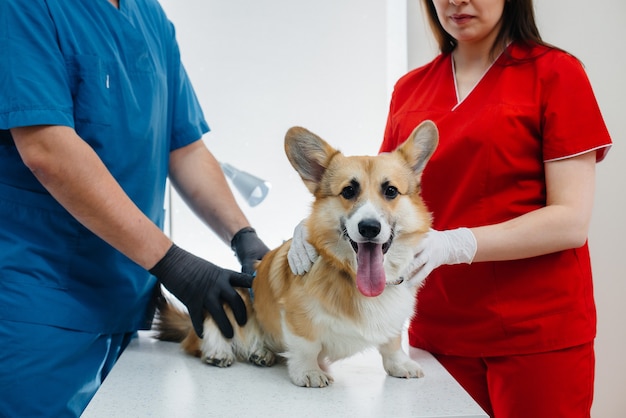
(391, 192)
(348, 192)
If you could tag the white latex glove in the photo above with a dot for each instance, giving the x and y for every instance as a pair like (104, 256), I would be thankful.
(454, 246)
(301, 255)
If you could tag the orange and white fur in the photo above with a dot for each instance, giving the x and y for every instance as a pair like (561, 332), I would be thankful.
(366, 219)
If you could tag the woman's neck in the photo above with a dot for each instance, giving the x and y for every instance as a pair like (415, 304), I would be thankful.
(471, 62)
(476, 55)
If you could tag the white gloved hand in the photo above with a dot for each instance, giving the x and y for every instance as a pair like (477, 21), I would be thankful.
(454, 246)
(301, 255)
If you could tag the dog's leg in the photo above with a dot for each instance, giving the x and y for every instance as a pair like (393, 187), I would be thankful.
(303, 363)
(216, 350)
(396, 362)
(249, 344)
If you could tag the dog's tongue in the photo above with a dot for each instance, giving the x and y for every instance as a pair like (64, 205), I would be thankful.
(370, 275)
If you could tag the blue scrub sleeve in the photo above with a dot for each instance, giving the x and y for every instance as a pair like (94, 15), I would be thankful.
(189, 123)
(34, 85)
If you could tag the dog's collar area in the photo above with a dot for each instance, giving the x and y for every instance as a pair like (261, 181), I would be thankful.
(396, 282)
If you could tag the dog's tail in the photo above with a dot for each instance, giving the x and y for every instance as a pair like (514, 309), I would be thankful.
(171, 323)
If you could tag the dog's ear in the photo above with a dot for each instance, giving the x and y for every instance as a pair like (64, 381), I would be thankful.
(308, 154)
(420, 145)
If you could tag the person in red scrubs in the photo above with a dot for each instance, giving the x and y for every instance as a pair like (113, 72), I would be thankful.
(508, 304)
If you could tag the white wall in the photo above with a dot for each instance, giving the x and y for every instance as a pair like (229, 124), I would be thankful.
(260, 67)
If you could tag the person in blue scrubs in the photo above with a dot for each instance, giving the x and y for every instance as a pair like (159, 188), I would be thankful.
(96, 111)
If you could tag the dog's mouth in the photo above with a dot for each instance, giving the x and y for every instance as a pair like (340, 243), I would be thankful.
(355, 245)
(370, 276)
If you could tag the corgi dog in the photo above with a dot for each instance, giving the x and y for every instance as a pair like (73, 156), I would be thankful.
(366, 218)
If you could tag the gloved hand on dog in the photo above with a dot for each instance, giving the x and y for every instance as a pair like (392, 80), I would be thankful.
(248, 248)
(454, 246)
(202, 285)
(301, 254)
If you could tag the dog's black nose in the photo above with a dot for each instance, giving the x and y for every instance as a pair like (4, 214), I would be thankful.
(369, 228)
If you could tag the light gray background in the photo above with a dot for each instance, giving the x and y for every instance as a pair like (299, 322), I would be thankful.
(260, 67)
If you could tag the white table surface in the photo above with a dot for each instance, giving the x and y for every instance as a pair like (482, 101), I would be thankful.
(155, 379)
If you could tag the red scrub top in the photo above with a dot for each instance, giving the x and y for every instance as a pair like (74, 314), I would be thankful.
(534, 104)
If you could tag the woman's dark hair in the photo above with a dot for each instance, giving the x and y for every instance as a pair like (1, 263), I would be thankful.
(518, 25)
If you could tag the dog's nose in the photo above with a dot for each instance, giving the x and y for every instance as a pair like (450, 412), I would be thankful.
(369, 228)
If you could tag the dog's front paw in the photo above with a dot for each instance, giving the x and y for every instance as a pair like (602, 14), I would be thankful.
(405, 367)
(312, 379)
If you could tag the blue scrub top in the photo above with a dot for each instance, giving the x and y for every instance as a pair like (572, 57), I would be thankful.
(115, 76)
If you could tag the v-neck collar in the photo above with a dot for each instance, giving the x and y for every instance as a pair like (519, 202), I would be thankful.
(121, 6)
(469, 93)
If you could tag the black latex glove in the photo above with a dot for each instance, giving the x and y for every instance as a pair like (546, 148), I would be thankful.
(249, 248)
(202, 285)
